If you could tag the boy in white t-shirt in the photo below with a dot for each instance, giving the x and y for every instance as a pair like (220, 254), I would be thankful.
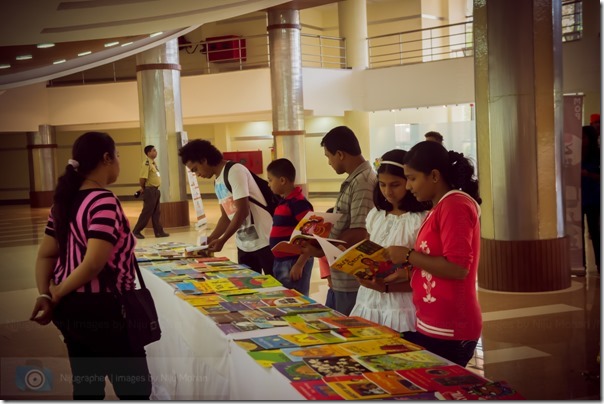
(248, 221)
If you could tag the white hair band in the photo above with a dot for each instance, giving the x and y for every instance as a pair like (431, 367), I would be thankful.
(394, 163)
(73, 163)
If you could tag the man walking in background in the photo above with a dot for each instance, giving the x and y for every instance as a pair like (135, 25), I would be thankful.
(149, 182)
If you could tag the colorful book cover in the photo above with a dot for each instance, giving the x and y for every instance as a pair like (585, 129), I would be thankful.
(425, 396)
(336, 366)
(315, 390)
(186, 271)
(262, 323)
(379, 346)
(303, 326)
(256, 282)
(319, 351)
(404, 360)
(303, 339)
(248, 344)
(212, 309)
(224, 318)
(237, 273)
(201, 285)
(244, 324)
(272, 311)
(347, 322)
(221, 285)
(355, 388)
(363, 333)
(202, 300)
(254, 314)
(272, 342)
(231, 306)
(317, 315)
(228, 328)
(296, 371)
(312, 223)
(253, 304)
(237, 292)
(187, 288)
(327, 338)
(306, 308)
(286, 301)
(279, 293)
(268, 357)
(499, 390)
(393, 383)
(442, 377)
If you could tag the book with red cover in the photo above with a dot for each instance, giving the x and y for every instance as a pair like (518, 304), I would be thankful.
(316, 390)
(441, 378)
(353, 387)
(499, 390)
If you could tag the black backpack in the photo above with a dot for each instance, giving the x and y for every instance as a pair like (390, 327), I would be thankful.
(271, 199)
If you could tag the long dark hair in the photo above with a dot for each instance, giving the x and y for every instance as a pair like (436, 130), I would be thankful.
(456, 170)
(88, 151)
(408, 203)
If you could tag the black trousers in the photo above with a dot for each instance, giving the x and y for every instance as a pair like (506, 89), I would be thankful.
(151, 210)
(592, 214)
(258, 260)
(458, 351)
(95, 334)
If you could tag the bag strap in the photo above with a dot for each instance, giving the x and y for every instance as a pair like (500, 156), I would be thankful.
(111, 278)
(225, 176)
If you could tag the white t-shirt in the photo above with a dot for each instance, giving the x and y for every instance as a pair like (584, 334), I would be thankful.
(249, 237)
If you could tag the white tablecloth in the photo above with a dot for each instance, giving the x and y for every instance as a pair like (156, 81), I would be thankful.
(195, 360)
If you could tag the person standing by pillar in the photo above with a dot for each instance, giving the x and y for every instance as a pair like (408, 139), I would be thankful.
(150, 182)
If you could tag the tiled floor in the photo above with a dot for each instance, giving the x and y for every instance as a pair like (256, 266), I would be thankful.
(541, 343)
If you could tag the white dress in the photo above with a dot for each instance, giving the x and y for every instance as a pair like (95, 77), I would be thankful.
(395, 310)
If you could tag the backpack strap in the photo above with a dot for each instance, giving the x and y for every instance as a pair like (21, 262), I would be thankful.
(225, 176)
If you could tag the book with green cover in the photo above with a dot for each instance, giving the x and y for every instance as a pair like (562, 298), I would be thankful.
(268, 357)
(401, 361)
(379, 346)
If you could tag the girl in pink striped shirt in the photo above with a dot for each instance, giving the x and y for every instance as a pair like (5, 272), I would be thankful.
(86, 254)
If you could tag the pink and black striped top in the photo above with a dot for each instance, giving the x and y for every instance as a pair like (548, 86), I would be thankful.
(98, 214)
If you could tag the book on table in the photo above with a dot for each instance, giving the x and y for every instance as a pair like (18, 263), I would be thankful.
(365, 259)
(312, 224)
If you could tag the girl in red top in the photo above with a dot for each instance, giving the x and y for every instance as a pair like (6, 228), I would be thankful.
(444, 261)
(87, 252)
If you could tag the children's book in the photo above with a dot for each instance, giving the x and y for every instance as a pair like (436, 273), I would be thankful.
(273, 294)
(379, 346)
(203, 300)
(313, 223)
(355, 387)
(363, 333)
(296, 354)
(228, 328)
(347, 322)
(236, 292)
(272, 342)
(244, 325)
(248, 345)
(315, 390)
(221, 285)
(486, 391)
(336, 366)
(286, 301)
(212, 309)
(365, 259)
(404, 360)
(187, 288)
(200, 285)
(303, 326)
(230, 306)
(296, 371)
(261, 281)
(224, 318)
(442, 377)
(268, 357)
(307, 308)
(393, 382)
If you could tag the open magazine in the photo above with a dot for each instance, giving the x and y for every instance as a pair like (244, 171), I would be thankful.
(312, 224)
(365, 259)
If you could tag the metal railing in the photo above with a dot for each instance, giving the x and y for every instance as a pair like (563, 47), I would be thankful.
(421, 45)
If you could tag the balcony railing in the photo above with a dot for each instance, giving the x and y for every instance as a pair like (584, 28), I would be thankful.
(421, 45)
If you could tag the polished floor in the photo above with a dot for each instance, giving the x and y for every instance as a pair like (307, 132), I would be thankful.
(546, 345)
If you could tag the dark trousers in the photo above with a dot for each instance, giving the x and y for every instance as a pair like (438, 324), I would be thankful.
(151, 210)
(344, 301)
(458, 351)
(592, 214)
(95, 334)
(258, 260)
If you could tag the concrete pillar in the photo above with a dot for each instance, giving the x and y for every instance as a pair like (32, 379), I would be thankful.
(158, 78)
(352, 17)
(518, 81)
(286, 89)
(41, 153)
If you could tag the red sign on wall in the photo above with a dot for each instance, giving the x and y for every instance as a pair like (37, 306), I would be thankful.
(251, 159)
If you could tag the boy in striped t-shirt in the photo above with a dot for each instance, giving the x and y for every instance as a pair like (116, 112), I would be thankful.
(293, 271)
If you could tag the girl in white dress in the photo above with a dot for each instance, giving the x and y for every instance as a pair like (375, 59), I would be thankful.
(395, 220)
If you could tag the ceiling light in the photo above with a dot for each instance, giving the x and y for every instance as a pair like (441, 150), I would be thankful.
(4, 66)
(126, 44)
(23, 57)
(110, 44)
(56, 62)
(45, 45)
(155, 34)
(84, 53)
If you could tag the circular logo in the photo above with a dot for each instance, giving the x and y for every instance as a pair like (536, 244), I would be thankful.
(35, 379)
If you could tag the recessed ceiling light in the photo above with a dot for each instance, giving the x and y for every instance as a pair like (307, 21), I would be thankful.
(155, 34)
(23, 57)
(45, 45)
(4, 66)
(126, 44)
(84, 53)
(110, 44)
(56, 62)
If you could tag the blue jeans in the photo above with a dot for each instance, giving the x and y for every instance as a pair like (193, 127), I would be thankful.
(281, 269)
(344, 301)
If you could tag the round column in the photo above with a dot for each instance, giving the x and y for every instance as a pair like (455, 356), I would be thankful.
(41, 153)
(158, 79)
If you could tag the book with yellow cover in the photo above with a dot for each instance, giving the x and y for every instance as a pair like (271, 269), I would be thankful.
(313, 223)
(355, 387)
(203, 300)
(393, 383)
(380, 346)
(402, 361)
(221, 284)
(362, 333)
